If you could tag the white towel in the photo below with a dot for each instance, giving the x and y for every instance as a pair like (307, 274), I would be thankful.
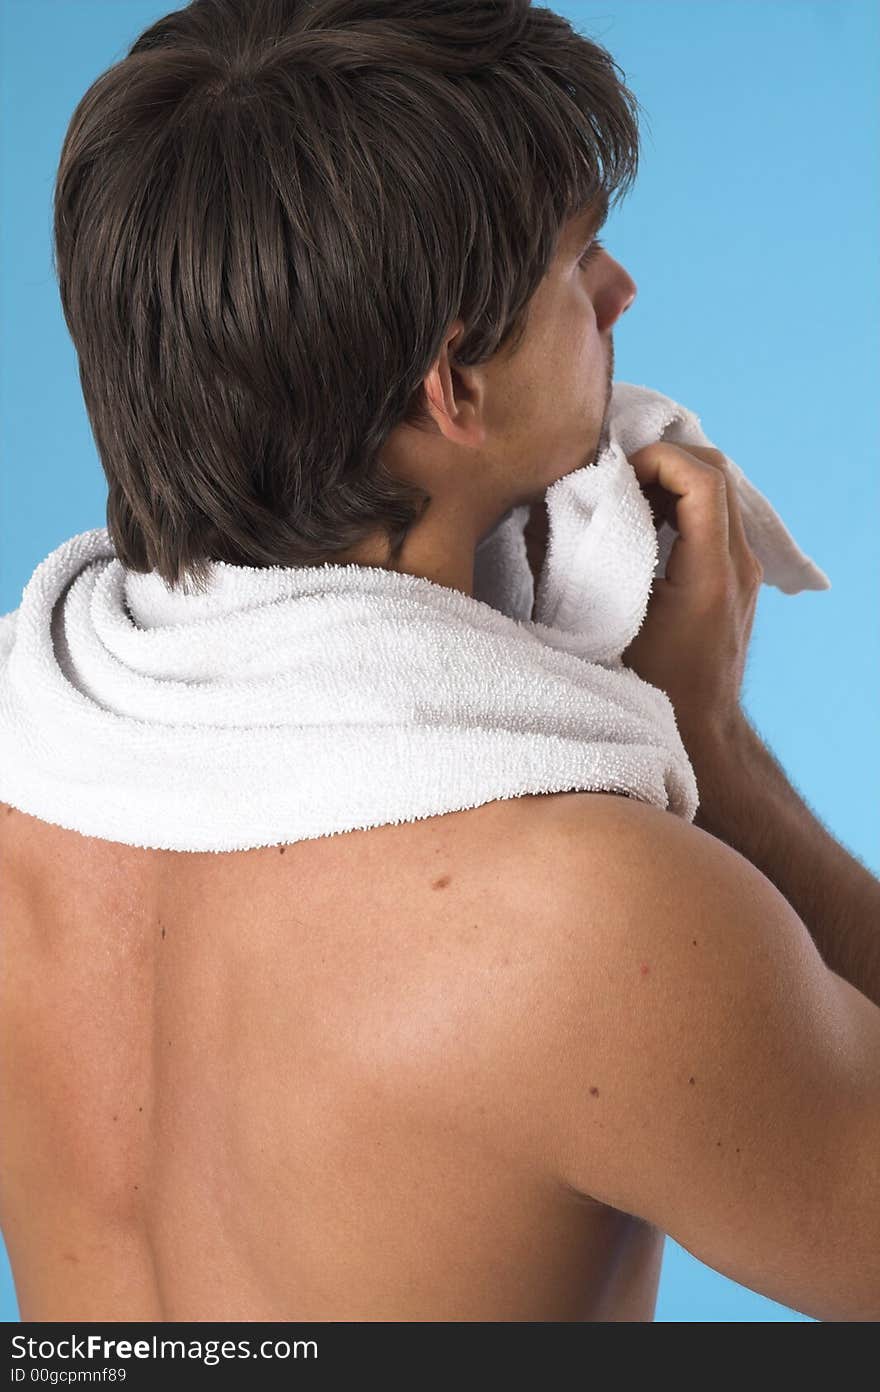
(296, 702)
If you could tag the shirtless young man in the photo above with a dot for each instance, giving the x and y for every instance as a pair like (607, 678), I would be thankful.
(472, 1067)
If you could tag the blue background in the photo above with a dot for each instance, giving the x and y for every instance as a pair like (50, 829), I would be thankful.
(752, 233)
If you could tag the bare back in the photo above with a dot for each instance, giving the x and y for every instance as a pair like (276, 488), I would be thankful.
(297, 1083)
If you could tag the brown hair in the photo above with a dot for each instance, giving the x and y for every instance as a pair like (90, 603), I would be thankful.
(266, 216)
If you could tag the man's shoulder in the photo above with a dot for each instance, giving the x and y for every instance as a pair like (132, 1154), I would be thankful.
(608, 894)
(576, 871)
(594, 865)
(566, 832)
(575, 826)
(531, 844)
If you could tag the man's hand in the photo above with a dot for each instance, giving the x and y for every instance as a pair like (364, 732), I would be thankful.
(696, 632)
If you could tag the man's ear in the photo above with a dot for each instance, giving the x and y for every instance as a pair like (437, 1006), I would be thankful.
(455, 395)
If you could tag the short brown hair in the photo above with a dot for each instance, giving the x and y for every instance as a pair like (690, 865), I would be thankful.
(265, 217)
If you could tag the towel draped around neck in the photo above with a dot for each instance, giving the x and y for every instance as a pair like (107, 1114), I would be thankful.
(289, 703)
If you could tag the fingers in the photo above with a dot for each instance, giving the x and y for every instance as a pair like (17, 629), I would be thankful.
(739, 544)
(701, 554)
(706, 510)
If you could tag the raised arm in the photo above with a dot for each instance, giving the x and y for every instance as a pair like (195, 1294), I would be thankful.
(710, 1073)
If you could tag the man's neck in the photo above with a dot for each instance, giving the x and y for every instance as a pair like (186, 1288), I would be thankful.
(440, 547)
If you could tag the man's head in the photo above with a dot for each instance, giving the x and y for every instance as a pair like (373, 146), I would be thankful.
(320, 265)
(504, 430)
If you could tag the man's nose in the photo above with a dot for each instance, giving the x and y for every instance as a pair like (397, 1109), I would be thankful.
(615, 296)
